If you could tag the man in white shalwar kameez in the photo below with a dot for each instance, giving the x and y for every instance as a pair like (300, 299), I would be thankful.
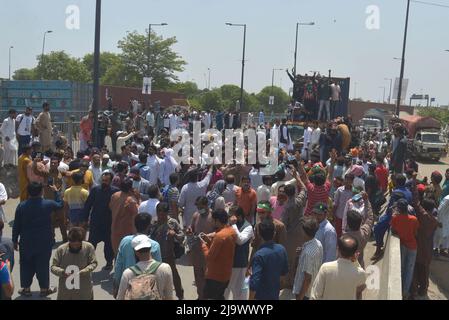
(441, 238)
(10, 144)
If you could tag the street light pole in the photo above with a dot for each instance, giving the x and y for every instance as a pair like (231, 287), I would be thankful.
(208, 87)
(272, 79)
(391, 84)
(296, 42)
(383, 101)
(398, 102)
(147, 96)
(11, 47)
(243, 60)
(43, 49)
(96, 87)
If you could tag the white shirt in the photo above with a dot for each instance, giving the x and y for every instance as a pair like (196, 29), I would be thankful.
(121, 141)
(154, 164)
(164, 280)
(24, 128)
(336, 90)
(149, 207)
(8, 128)
(96, 174)
(3, 196)
(307, 136)
(173, 122)
(243, 237)
(315, 137)
(150, 119)
(256, 178)
(338, 280)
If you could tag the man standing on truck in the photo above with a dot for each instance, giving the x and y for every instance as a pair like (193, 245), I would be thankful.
(399, 150)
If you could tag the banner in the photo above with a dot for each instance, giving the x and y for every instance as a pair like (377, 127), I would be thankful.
(146, 88)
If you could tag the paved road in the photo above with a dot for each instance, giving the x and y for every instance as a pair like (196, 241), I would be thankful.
(103, 281)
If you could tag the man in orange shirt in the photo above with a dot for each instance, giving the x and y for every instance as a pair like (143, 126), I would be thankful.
(24, 161)
(247, 199)
(219, 254)
(405, 226)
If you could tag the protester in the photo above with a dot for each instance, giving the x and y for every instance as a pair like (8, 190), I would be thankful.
(124, 207)
(97, 211)
(341, 279)
(326, 233)
(126, 257)
(405, 226)
(6, 282)
(168, 233)
(75, 198)
(33, 238)
(10, 144)
(76, 258)
(268, 265)
(244, 231)
(219, 254)
(309, 263)
(148, 279)
(44, 127)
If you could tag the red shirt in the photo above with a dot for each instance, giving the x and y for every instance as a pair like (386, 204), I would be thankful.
(406, 226)
(317, 194)
(382, 177)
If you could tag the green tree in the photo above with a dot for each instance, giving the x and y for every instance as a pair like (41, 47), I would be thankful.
(58, 65)
(212, 100)
(164, 62)
(108, 61)
(231, 94)
(24, 74)
(440, 114)
(189, 89)
(281, 99)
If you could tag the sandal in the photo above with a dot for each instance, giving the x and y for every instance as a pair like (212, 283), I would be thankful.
(48, 292)
(25, 292)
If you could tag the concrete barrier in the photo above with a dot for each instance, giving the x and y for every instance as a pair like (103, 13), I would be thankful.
(390, 282)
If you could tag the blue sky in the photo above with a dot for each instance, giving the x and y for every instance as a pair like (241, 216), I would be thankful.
(339, 41)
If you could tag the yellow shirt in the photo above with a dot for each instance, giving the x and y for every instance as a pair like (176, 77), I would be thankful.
(23, 163)
(88, 179)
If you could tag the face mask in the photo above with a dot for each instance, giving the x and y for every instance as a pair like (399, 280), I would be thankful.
(75, 251)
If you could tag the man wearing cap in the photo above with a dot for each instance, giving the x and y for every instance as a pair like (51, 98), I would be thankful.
(105, 163)
(264, 209)
(95, 168)
(326, 233)
(164, 277)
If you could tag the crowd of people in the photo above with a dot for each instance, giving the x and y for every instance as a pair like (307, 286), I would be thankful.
(247, 235)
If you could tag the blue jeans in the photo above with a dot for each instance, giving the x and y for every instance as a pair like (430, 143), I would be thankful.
(23, 142)
(408, 259)
(380, 228)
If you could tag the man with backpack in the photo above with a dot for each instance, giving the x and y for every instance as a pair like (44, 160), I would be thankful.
(25, 128)
(148, 279)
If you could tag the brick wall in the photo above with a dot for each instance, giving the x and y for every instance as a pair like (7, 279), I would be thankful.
(357, 109)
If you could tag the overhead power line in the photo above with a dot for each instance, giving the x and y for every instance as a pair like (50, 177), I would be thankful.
(431, 4)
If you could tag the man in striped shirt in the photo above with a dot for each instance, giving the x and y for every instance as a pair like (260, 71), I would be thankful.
(318, 190)
(310, 260)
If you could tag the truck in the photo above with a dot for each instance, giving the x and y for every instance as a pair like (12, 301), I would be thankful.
(375, 119)
(424, 137)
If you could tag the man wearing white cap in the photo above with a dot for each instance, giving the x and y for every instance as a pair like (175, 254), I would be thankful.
(162, 271)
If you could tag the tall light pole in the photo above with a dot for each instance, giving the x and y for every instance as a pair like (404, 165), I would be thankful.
(10, 48)
(391, 84)
(243, 60)
(272, 79)
(355, 90)
(208, 87)
(401, 77)
(147, 97)
(296, 43)
(43, 49)
(96, 86)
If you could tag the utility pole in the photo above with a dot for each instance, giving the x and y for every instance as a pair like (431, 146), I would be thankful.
(96, 98)
(401, 77)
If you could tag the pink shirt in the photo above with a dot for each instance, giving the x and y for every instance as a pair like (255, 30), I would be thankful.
(277, 208)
